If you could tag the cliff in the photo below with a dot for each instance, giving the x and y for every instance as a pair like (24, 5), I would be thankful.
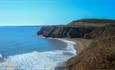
(99, 54)
(76, 29)
(65, 31)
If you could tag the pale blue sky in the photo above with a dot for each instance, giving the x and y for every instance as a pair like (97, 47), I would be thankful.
(53, 12)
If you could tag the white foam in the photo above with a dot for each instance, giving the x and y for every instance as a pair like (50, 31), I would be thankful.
(39, 60)
(36, 60)
(70, 45)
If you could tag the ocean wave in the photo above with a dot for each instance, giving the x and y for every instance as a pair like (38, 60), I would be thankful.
(39, 60)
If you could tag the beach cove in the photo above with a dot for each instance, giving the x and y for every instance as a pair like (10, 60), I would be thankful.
(29, 58)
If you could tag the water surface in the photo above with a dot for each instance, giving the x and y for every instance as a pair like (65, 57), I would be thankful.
(19, 40)
(23, 49)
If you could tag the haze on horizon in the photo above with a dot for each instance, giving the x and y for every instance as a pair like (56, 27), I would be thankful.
(52, 12)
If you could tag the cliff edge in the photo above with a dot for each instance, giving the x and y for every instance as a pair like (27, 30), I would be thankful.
(99, 54)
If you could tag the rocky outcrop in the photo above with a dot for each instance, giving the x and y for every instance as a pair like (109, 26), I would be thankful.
(65, 31)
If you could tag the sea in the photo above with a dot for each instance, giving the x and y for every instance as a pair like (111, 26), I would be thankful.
(22, 49)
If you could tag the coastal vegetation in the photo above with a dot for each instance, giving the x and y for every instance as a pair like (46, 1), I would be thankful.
(99, 54)
(92, 22)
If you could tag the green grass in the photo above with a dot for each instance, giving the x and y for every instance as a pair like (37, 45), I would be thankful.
(81, 24)
(92, 22)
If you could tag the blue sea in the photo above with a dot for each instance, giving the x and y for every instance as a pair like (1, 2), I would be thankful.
(23, 49)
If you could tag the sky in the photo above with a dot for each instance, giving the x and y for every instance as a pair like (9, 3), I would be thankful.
(53, 12)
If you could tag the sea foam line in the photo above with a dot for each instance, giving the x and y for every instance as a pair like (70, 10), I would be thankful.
(70, 45)
(36, 59)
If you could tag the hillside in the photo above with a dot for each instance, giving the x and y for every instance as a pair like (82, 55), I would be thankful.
(100, 55)
(92, 22)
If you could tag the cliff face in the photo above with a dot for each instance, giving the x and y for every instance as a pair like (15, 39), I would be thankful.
(76, 29)
(65, 31)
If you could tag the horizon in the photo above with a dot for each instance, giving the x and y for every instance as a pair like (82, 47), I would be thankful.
(52, 12)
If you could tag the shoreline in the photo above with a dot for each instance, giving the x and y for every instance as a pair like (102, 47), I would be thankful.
(60, 66)
(71, 49)
(67, 41)
(71, 45)
(81, 43)
(77, 44)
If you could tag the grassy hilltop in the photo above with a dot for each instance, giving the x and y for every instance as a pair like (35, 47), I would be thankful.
(100, 54)
(92, 22)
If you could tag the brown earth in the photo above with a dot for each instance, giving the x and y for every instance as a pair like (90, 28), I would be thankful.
(99, 55)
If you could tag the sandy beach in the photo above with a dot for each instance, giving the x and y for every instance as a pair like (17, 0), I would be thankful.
(81, 44)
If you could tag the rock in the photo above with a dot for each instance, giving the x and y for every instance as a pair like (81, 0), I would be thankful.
(64, 31)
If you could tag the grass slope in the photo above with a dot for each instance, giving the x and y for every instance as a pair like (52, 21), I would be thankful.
(100, 55)
(92, 22)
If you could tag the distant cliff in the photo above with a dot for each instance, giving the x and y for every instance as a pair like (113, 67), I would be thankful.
(65, 31)
(76, 29)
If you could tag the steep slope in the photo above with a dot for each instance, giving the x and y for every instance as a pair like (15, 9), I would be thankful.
(65, 31)
(100, 55)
